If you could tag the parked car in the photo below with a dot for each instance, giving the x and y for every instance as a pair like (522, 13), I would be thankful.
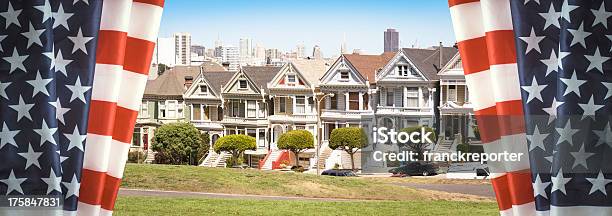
(339, 173)
(414, 168)
(472, 170)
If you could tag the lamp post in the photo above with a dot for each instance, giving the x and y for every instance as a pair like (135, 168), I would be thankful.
(319, 98)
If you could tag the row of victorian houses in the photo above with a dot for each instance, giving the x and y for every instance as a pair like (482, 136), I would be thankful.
(411, 87)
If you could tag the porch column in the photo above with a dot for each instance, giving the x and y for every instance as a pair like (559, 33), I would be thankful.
(421, 99)
(405, 100)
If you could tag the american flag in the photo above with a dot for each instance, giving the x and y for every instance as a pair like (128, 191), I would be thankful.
(550, 59)
(71, 80)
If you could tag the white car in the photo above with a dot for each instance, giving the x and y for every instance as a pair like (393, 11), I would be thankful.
(467, 171)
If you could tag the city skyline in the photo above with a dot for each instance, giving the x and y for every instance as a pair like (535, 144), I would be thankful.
(284, 25)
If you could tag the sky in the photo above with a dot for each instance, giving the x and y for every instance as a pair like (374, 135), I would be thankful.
(283, 24)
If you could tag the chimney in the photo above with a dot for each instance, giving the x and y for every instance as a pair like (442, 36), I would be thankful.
(441, 57)
(188, 82)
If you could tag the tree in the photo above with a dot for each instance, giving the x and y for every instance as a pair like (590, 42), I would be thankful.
(235, 145)
(350, 140)
(296, 141)
(178, 143)
(418, 147)
(161, 68)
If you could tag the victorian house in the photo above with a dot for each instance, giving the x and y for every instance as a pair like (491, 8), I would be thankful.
(457, 122)
(246, 108)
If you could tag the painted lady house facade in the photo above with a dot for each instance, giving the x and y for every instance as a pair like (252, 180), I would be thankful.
(205, 102)
(245, 108)
(457, 122)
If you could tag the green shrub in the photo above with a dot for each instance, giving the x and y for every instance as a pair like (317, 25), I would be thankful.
(296, 141)
(349, 139)
(235, 145)
(465, 148)
(178, 143)
(136, 157)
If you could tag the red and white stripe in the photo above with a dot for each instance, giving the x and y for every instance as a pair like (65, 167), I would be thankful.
(485, 36)
(126, 40)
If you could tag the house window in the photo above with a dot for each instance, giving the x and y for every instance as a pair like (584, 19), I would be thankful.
(162, 110)
(262, 138)
(243, 84)
(311, 104)
(366, 101)
(467, 95)
(354, 101)
(390, 97)
(262, 110)
(282, 105)
(452, 93)
(206, 112)
(237, 108)
(291, 79)
(203, 89)
(197, 112)
(333, 101)
(136, 138)
(144, 110)
(344, 75)
(300, 104)
(251, 109)
(402, 70)
(412, 97)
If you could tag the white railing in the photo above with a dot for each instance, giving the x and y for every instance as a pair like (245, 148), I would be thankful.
(404, 110)
(294, 117)
(238, 120)
(206, 124)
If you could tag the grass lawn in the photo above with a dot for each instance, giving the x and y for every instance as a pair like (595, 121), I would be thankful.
(236, 181)
(128, 205)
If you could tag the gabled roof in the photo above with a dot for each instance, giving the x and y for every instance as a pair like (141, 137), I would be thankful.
(311, 69)
(209, 66)
(218, 79)
(428, 60)
(261, 75)
(171, 83)
(369, 65)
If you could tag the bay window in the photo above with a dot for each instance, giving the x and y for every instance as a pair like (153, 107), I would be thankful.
(300, 104)
(354, 101)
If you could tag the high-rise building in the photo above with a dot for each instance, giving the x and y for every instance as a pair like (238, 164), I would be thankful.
(198, 50)
(231, 55)
(246, 48)
(164, 52)
(182, 43)
(300, 51)
(391, 40)
(316, 52)
(343, 46)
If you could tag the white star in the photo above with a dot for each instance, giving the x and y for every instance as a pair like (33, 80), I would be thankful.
(73, 187)
(605, 136)
(33, 36)
(39, 84)
(46, 134)
(45, 9)
(596, 61)
(579, 35)
(606, 84)
(580, 157)
(552, 110)
(552, 63)
(573, 84)
(539, 187)
(558, 182)
(80, 42)
(7, 136)
(61, 63)
(534, 90)
(22, 109)
(566, 133)
(78, 91)
(53, 182)
(31, 157)
(60, 18)
(11, 16)
(59, 110)
(533, 41)
(16, 61)
(3, 87)
(84, 1)
(599, 183)
(590, 108)
(76, 139)
(552, 17)
(561, 56)
(13, 183)
(566, 9)
(601, 16)
(536, 140)
(2, 37)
